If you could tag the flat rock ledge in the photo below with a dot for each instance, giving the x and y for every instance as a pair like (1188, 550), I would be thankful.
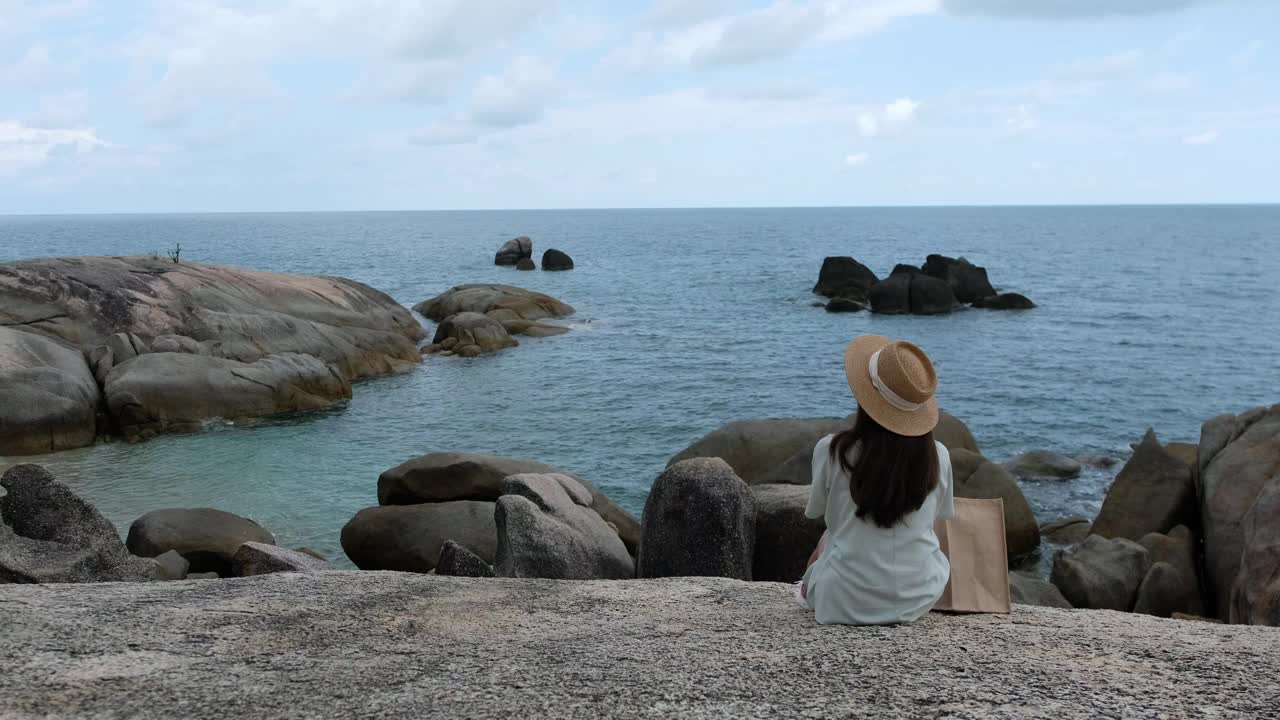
(383, 644)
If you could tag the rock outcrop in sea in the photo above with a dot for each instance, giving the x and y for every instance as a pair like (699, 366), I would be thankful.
(941, 285)
(131, 345)
(513, 251)
(475, 319)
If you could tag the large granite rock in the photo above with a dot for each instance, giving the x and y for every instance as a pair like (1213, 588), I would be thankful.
(178, 392)
(1238, 456)
(1101, 573)
(979, 478)
(444, 476)
(1029, 590)
(556, 260)
(845, 277)
(499, 301)
(547, 529)
(48, 534)
(1255, 596)
(904, 294)
(513, 251)
(1152, 494)
(785, 538)
(757, 450)
(234, 313)
(967, 281)
(1005, 301)
(1172, 585)
(473, 330)
(409, 537)
(253, 558)
(48, 395)
(206, 537)
(953, 433)
(350, 644)
(1043, 465)
(1066, 531)
(456, 560)
(699, 519)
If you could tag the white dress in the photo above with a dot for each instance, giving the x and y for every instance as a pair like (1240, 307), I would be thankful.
(866, 574)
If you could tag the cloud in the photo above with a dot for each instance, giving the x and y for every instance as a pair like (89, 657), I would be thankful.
(773, 31)
(1208, 137)
(516, 97)
(455, 131)
(892, 116)
(1051, 9)
(856, 159)
(23, 147)
(1167, 83)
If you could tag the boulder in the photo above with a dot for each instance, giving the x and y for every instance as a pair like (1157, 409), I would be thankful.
(547, 529)
(408, 538)
(101, 360)
(844, 305)
(1152, 493)
(126, 346)
(235, 313)
(1005, 301)
(513, 250)
(904, 269)
(773, 450)
(445, 476)
(474, 329)
(206, 537)
(501, 302)
(178, 344)
(1172, 585)
(1185, 452)
(1238, 456)
(177, 392)
(1101, 573)
(48, 534)
(48, 395)
(260, 559)
(1066, 531)
(699, 520)
(1029, 590)
(967, 281)
(457, 561)
(1255, 595)
(785, 538)
(526, 264)
(1043, 465)
(979, 478)
(173, 566)
(904, 294)
(553, 260)
(844, 277)
(953, 433)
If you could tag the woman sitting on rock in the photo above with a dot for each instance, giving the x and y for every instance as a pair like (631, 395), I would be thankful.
(881, 486)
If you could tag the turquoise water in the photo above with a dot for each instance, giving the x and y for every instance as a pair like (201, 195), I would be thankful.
(1150, 316)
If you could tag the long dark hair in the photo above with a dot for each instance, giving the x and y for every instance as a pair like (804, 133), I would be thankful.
(891, 475)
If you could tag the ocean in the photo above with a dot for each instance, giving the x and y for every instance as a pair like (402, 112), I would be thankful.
(1156, 317)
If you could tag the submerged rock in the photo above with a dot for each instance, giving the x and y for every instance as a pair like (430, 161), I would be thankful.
(904, 294)
(207, 538)
(473, 329)
(547, 529)
(1152, 494)
(1005, 301)
(513, 250)
(48, 534)
(48, 395)
(844, 305)
(526, 264)
(553, 260)
(700, 520)
(517, 303)
(1043, 465)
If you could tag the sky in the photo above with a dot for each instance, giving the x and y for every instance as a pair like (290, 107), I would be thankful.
(265, 105)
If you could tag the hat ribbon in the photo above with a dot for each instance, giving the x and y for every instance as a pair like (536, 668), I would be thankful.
(885, 392)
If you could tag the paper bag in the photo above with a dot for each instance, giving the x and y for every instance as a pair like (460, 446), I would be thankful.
(973, 540)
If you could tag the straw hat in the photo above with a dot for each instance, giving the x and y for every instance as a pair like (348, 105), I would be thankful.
(894, 383)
